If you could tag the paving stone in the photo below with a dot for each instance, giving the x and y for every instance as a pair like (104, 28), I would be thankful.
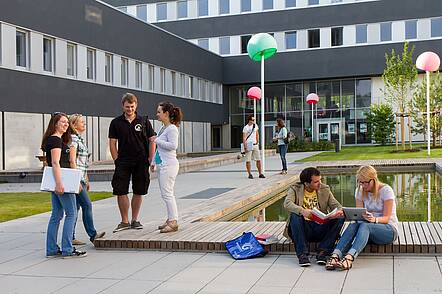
(421, 274)
(34, 285)
(86, 286)
(131, 286)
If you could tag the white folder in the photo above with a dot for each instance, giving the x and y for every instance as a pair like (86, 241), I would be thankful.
(70, 178)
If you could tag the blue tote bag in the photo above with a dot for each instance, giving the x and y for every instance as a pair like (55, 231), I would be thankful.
(245, 246)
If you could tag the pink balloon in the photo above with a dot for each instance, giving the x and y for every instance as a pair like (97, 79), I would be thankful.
(312, 98)
(254, 93)
(428, 61)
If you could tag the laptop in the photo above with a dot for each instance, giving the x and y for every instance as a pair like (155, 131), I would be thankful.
(354, 213)
(69, 176)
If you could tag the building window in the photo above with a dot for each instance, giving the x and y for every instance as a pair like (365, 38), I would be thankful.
(21, 46)
(142, 12)
(244, 42)
(224, 6)
(290, 3)
(123, 9)
(191, 87)
(385, 31)
(48, 54)
(203, 8)
(124, 71)
(410, 29)
(203, 43)
(174, 82)
(71, 62)
(313, 38)
(361, 34)
(182, 87)
(182, 9)
(162, 80)
(161, 11)
(151, 77)
(436, 27)
(313, 2)
(224, 45)
(138, 75)
(246, 5)
(337, 36)
(90, 65)
(336, 1)
(290, 40)
(108, 68)
(267, 4)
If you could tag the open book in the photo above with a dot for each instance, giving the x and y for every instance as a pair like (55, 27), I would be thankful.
(320, 217)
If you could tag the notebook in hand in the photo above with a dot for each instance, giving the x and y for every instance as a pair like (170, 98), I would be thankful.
(320, 217)
(70, 178)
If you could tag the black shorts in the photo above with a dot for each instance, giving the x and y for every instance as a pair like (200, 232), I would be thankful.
(124, 170)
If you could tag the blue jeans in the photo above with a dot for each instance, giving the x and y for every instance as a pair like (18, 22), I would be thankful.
(85, 203)
(302, 231)
(63, 204)
(358, 234)
(282, 149)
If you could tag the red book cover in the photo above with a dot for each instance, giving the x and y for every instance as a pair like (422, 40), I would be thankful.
(320, 217)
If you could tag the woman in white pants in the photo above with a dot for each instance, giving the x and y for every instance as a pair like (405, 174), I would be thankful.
(166, 161)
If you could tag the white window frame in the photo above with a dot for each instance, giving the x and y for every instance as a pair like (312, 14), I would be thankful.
(158, 8)
(26, 48)
(177, 9)
(91, 68)
(228, 7)
(138, 74)
(295, 33)
(51, 54)
(150, 77)
(124, 80)
(73, 59)
(162, 80)
(108, 68)
(173, 77)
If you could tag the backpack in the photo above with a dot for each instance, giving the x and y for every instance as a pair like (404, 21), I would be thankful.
(290, 137)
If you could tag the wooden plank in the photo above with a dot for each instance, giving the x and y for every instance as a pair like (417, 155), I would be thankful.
(408, 238)
(205, 242)
(434, 236)
(438, 229)
(425, 243)
(401, 240)
(417, 245)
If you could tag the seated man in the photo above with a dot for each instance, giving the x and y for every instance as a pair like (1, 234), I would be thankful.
(301, 198)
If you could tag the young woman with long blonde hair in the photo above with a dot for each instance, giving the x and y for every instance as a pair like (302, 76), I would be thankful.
(380, 225)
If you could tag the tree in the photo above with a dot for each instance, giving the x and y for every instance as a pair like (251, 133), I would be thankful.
(419, 107)
(381, 119)
(399, 77)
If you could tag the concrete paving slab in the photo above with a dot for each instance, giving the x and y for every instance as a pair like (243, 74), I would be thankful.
(420, 274)
(176, 288)
(22, 262)
(86, 286)
(315, 279)
(131, 286)
(34, 285)
(260, 289)
(282, 274)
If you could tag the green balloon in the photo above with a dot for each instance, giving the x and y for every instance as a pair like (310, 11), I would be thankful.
(261, 44)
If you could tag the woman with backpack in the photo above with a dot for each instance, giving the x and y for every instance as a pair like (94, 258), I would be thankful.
(282, 138)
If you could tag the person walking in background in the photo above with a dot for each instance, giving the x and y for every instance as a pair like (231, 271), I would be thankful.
(79, 159)
(132, 153)
(380, 225)
(166, 162)
(55, 143)
(281, 137)
(250, 139)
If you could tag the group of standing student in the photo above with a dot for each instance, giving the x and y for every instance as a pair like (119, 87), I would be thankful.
(379, 226)
(134, 147)
(65, 148)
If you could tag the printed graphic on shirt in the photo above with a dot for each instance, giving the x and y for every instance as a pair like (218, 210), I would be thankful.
(138, 127)
(310, 200)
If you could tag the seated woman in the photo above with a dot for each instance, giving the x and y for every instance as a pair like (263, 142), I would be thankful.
(380, 225)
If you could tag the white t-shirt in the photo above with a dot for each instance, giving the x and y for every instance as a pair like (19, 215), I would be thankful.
(247, 130)
(377, 208)
(167, 144)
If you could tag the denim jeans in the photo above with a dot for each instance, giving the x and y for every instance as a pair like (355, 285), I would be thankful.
(63, 204)
(358, 234)
(85, 203)
(302, 231)
(282, 149)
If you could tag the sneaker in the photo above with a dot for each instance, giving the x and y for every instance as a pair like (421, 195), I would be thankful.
(78, 242)
(76, 254)
(136, 225)
(321, 257)
(261, 176)
(304, 260)
(121, 227)
(98, 236)
(58, 254)
(251, 176)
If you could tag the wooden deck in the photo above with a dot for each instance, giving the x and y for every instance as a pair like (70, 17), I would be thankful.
(414, 238)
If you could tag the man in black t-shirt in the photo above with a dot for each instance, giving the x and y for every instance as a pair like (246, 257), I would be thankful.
(132, 152)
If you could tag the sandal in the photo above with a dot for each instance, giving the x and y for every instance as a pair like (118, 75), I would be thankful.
(347, 262)
(333, 262)
(162, 226)
(172, 226)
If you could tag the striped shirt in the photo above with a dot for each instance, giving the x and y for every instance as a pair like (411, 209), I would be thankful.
(82, 155)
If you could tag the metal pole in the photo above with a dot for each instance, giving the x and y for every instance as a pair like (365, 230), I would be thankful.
(254, 108)
(263, 160)
(429, 198)
(313, 106)
(428, 113)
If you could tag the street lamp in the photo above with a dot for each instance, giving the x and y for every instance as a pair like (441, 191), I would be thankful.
(255, 94)
(428, 61)
(312, 99)
(260, 47)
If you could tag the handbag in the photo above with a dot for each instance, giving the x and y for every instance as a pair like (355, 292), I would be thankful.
(245, 246)
(249, 144)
